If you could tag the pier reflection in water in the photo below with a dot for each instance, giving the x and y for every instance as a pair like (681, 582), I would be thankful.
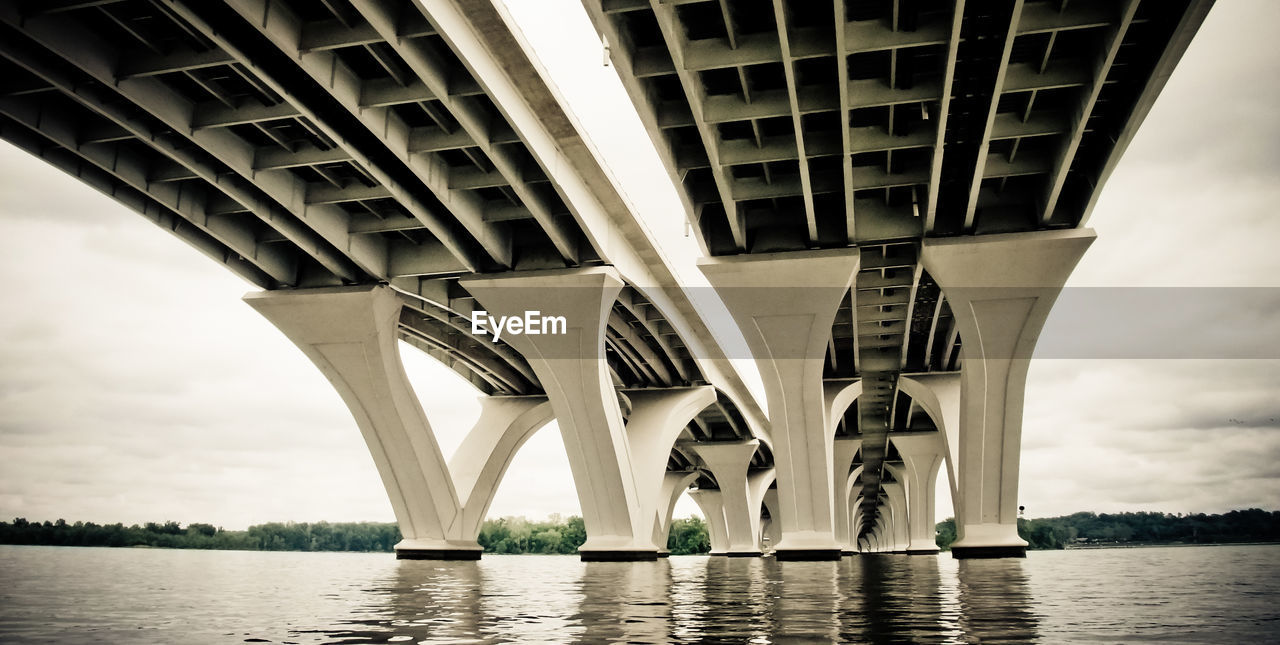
(874, 598)
(1200, 594)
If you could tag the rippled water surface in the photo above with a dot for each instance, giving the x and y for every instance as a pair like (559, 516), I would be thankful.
(1190, 594)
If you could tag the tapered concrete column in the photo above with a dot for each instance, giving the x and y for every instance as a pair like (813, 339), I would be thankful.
(897, 493)
(1001, 289)
(853, 505)
(758, 487)
(845, 451)
(774, 530)
(922, 457)
(572, 370)
(785, 304)
(657, 418)
(888, 539)
(712, 506)
(350, 334)
(837, 397)
(855, 525)
(901, 537)
(884, 527)
(674, 484)
(729, 463)
(759, 483)
(939, 396)
(477, 466)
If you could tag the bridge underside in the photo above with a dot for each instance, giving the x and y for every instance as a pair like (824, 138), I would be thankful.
(310, 145)
(791, 125)
(408, 154)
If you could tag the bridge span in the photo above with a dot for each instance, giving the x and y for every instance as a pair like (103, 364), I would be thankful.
(888, 196)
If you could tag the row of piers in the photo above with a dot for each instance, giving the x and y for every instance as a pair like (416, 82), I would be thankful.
(1000, 289)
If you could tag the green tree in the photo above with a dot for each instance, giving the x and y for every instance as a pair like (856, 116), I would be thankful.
(945, 533)
(207, 530)
(575, 533)
(688, 536)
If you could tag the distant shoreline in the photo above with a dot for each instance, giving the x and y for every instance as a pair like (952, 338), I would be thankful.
(563, 536)
(1135, 529)
(487, 554)
(511, 535)
(1144, 545)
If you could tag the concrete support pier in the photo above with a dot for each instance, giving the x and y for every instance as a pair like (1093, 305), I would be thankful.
(901, 517)
(771, 533)
(350, 334)
(728, 462)
(674, 484)
(657, 418)
(1001, 289)
(572, 370)
(939, 396)
(785, 304)
(922, 458)
(481, 460)
(855, 525)
(853, 509)
(845, 451)
(711, 503)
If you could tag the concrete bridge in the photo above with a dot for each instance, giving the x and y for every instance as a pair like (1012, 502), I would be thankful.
(888, 197)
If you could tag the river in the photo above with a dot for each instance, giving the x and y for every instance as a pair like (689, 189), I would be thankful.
(1222, 594)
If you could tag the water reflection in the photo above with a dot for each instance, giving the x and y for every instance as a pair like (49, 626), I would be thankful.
(897, 599)
(756, 592)
(742, 611)
(1202, 594)
(689, 610)
(871, 598)
(808, 601)
(995, 602)
(870, 617)
(421, 600)
(625, 602)
(532, 597)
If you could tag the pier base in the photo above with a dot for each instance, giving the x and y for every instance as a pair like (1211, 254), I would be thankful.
(986, 552)
(806, 555)
(618, 556)
(438, 554)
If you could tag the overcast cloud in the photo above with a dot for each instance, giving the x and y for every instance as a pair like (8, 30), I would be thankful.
(135, 386)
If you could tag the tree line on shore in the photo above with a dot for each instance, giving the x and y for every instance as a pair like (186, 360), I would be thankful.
(565, 535)
(555, 535)
(1083, 529)
(273, 536)
(503, 535)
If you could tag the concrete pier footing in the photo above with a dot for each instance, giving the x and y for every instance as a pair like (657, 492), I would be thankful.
(1001, 288)
(785, 304)
(350, 333)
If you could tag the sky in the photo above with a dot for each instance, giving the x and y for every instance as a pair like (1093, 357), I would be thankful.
(136, 386)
